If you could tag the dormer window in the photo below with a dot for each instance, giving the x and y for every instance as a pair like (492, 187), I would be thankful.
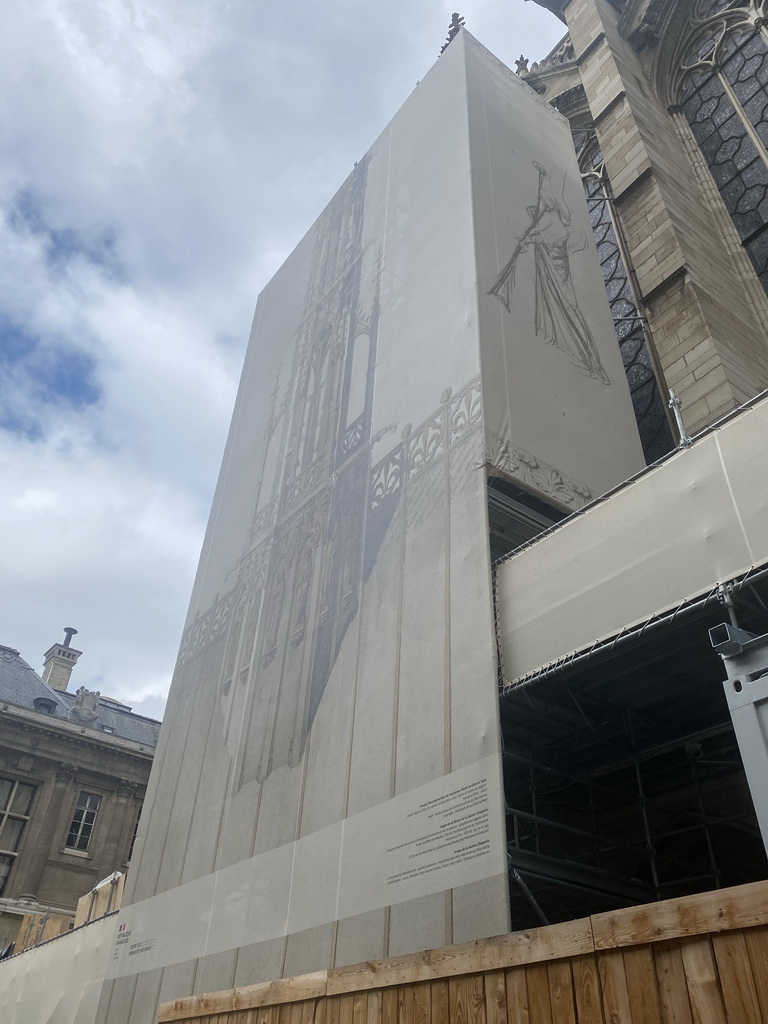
(45, 705)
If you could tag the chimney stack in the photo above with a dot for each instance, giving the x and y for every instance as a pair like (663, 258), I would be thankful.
(59, 660)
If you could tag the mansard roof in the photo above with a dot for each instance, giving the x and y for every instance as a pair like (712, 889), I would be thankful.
(21, 686)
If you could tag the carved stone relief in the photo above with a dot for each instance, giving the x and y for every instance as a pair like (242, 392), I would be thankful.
(535, 473)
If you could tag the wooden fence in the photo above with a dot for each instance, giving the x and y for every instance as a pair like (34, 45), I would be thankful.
(698, 960)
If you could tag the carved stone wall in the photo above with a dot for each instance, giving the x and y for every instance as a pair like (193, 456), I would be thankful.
(705, 308)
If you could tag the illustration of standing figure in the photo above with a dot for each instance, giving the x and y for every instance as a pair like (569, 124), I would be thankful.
(558, 317)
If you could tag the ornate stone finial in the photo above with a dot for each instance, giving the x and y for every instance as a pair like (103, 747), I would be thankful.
(66, 772)
(521, 64)
(457, 23)
(86, 705)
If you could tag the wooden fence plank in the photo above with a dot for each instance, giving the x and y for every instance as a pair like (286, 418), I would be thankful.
(422, 1003)
(374, 1008)
(332, 1008)
(305, 986)
(703, 986)
(405, 1004)
(360, 1008)
(440, 1002)
(673, 986)
(346, 1009)
(206, 1005)
(642, 986)
(466, 997)
(517, 996)
(535, 945)
(267, 993)
(736, 981)
(561, 992)
(757, 948)
(495, 998)
(744, 906)
(613, 981)
(389, 1006)
(309, 1008)
(586, 990)
(537, 983)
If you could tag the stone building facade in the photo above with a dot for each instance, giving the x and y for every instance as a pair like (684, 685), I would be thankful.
(667, 105)
(73, 774)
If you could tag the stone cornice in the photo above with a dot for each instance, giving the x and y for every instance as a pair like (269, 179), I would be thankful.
(45, 725)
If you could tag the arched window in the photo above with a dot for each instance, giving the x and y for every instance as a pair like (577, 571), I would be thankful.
(723, 95)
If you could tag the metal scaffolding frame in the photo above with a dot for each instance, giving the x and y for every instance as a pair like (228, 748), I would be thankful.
(623, 778)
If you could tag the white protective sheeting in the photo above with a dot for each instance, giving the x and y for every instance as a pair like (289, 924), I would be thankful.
(440, 836)
(60, 981)
(556, 406)
(695, 521)
(339, 655)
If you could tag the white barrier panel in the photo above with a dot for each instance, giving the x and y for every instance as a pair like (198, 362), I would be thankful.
(60, 981)
(699, 519)
(438, 836)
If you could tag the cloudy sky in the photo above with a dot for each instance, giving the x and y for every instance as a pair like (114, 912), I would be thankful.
(159, 159)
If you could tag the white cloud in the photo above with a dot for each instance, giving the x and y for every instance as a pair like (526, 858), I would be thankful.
(158, 161)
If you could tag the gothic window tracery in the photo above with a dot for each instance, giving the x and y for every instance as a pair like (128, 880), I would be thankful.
(723, 95)
(650, 413)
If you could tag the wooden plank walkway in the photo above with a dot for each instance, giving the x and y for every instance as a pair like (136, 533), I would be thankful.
(697, 960)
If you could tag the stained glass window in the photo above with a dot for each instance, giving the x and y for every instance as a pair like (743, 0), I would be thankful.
(725, 101)
(650, 412)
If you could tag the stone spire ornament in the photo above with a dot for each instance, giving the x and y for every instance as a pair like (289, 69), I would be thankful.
(457, 22)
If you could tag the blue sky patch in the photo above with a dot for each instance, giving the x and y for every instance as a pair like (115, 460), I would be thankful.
(66, 244)
(35, 373)
(66, 376)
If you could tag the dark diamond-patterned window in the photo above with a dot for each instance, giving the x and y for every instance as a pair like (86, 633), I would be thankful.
(650, 413)
(725, 101)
